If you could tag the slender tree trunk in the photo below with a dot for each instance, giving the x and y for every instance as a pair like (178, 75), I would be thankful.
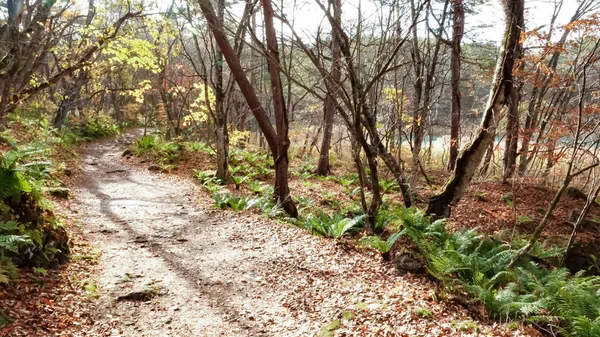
(468, 162)
(540, 88)
(542, 225)
(418, 121)
(569, 176)
(72, 97)
(277, 140)
(551, 147)
(457, 34)
(119, 116)
(331, 98)
(423, 95)
(489, 154)
(313, 142)
(282, 191)
(221, 133)
(530, 121)
(512, 135)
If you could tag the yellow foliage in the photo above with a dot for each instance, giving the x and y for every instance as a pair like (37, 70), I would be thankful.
(239, 138)
(202, 105)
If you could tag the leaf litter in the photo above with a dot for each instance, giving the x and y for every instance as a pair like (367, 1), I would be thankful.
(218, 273)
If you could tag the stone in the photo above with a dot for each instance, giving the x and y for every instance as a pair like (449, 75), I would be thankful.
(406, 263)
(59, 192)
(141, 295)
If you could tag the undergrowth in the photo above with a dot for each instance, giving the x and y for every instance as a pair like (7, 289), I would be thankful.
(30, 235)
(468, 261)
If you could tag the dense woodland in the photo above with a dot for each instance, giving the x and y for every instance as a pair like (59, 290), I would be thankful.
(401, 126)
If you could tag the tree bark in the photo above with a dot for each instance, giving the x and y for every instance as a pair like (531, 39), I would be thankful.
(331, 98)
(282, 191)
(487, 160)
(512, 135)
(457, 34)
(72, 96)
(467, 163)
(221, 133)
(278, 141)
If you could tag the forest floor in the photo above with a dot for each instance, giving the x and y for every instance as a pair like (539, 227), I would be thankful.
(153, 258)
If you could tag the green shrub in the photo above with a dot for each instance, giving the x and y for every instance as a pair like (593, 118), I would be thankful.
(255, 187)
(166, 152)
(334, 226)
(422, 312)
(200, 147)
(99, 127)
(330, 199)
(388, 185)
(28, 233)
(145, 143)
(477, 263)
(382, 246)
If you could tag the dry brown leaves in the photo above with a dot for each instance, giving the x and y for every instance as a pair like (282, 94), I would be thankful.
(54, 304)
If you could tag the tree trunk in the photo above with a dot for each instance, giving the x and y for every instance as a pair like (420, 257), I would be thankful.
(221, 133)
(71, 99)
(542, 83)
(72, 96)
(551, 147)
(222, 147)
(313, 142)
(427, 70)
(457, 34)
(282, 191)
(331, 98)
(512, 135)
(467, 163)
(278, 141)
(569, 176)
(489, 154)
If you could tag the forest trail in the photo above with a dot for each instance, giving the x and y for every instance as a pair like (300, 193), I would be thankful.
(172, 266)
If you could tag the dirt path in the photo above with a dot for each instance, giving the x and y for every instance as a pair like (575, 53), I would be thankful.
(203, 272)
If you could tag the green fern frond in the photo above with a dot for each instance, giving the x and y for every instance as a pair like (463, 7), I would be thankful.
(375, 242)
(14, 242)
(7, 227)
(343, 226)
(3, 276)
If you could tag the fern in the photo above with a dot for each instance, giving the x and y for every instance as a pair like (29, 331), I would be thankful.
(7, 227)
(337, 229)
(382, 246)
(478, 263)
(12, 243)
(3, 276)
(335, 226)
